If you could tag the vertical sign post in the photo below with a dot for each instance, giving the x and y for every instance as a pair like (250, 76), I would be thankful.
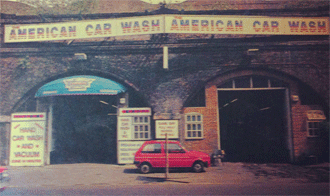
(165, 57)
(166, 156)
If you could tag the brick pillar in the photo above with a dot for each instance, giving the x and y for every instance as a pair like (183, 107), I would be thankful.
(211, 96)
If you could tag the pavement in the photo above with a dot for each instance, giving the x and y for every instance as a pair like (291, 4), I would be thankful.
(90, 174)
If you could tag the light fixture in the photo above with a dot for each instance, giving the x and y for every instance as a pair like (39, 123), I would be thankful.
(104, 102)
(252, 51)
(233, 100)
(80, 56)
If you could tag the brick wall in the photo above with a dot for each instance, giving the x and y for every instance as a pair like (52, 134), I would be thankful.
(210, 123)
(169, 89)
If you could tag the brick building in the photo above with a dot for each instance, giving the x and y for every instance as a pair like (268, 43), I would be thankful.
(211, 74)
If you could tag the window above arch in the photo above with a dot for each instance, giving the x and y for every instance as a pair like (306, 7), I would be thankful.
(252, 82)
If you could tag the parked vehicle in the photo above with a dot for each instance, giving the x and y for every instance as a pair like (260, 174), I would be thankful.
(4, 178)
(152, 155)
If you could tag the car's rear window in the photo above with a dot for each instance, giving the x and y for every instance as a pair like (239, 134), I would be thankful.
(152, 148)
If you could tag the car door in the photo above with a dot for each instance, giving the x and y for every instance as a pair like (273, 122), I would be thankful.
(153, 154)
(178, 157)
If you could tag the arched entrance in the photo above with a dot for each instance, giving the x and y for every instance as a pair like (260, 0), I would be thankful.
(84, 129)
(254, 119)
(83, 118)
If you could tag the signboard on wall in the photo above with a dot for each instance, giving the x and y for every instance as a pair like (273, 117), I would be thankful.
(80, 85)
(167, 126)
(27, 139)
(126, 151)
(134, 112)
(251, 25)
(84, 29)
(127, 144)
(317, 115)
(125, 124)
(124, 127)
(193, 24)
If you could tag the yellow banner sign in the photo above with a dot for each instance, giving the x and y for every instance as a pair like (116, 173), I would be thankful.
(246, 25)
(167, 24)
(84, 29)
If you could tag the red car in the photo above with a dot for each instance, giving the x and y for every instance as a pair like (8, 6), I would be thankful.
(4, 178)
(152, 155)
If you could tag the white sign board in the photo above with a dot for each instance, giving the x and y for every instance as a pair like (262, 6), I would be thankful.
(124, 127)
(126, 151)
(27, 139)
(167, 126)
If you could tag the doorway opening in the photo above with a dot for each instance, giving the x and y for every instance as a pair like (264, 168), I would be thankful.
(253, 121)
(84, 129)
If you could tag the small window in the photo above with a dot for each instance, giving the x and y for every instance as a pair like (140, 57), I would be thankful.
(277, 83)
(243, 82)
(228, 84)
(313, 128)
(194, 126)
(152, 148)
(260, 82)
(141, 127)
(314, 119)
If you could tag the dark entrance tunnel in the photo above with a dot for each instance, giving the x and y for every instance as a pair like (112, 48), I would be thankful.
(252, 125)
(84, 129)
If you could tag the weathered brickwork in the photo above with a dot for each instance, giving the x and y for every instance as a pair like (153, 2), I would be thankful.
(210, 141)
(167, 91)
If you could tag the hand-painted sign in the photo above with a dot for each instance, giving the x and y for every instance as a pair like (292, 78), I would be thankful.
(169, 127)
(78, 84)
(27, 139)
(126, 151)
(130, 120)
(84, 29)
(316, 115)
(81, 85)
(246, 25)
(124, 127)
(198, 24)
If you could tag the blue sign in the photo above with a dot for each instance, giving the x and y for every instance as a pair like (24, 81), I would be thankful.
(80, 85)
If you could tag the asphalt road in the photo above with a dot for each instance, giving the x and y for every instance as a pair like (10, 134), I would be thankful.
(178, 189)
(227, 179)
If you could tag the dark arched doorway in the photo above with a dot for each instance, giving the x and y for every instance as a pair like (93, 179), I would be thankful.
(84, 130)
(254, 120)
(83, 117)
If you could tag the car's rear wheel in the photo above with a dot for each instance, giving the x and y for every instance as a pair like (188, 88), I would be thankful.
(145, 168)
(198, 167)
